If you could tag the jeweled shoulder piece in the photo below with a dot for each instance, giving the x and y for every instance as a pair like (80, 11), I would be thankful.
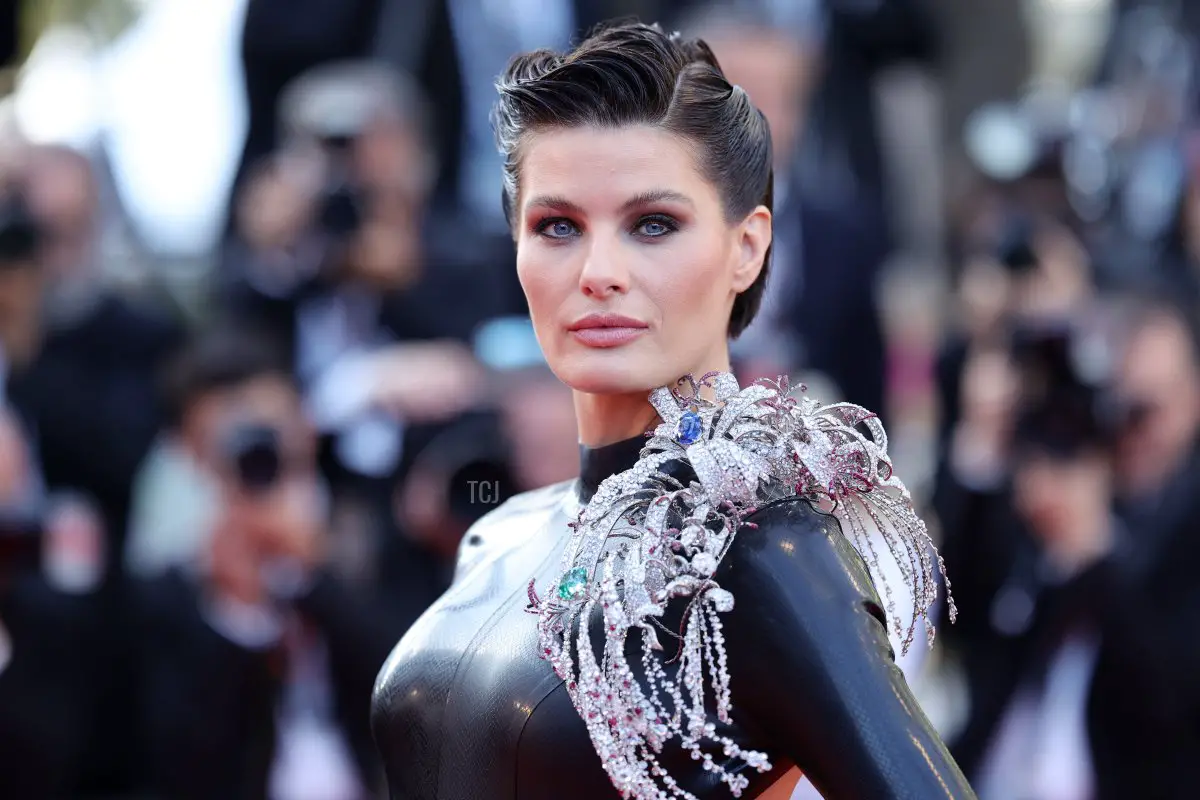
(646, 538)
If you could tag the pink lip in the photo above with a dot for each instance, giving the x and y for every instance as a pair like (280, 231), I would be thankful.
(607, 330)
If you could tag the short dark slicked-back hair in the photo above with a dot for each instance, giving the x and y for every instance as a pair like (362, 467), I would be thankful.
(629, 73)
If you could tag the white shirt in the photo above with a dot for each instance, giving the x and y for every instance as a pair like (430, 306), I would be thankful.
(1041, 749)
(312, 758)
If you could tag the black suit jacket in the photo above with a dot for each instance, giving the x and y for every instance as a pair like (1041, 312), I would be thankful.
(50, 690)
(207, 705)
(842, 139)
(830, 293)
(1143, 705)
(91, 401)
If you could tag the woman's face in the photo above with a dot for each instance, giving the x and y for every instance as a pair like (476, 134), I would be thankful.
(627, 260)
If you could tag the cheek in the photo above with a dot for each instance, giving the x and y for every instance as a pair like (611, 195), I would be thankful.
(546, 279)
(530, 272)
(693, 279)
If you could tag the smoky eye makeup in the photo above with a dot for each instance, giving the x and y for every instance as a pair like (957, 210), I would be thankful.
(554, 228)
(655, 225)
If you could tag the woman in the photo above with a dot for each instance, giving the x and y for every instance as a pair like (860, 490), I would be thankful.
(723, 646)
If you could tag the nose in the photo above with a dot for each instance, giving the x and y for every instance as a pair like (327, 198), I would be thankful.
(604, 272)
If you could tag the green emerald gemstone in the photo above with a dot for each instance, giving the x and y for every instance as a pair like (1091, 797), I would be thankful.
(572, 584)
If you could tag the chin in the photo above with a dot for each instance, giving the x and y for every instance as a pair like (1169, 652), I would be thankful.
(617, 370)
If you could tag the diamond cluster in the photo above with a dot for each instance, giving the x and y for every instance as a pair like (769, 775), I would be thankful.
(645, 539)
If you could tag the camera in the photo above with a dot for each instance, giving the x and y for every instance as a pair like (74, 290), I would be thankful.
(1014, 248)
(340, 207)
(21, 535)
(1067, 406)
(471, 457)
(20, 234)
(255, 454)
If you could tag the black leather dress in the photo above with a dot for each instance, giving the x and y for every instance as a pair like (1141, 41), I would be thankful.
(465, 710)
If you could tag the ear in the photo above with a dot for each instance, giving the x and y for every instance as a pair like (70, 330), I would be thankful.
(755, 234)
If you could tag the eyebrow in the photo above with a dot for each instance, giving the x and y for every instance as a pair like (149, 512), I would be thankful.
(641, 199)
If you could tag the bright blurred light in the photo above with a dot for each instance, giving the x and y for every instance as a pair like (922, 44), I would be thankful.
(57, 98)
(175, 119)
(1001, 141)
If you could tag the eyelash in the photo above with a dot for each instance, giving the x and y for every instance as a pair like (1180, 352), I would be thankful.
(666, 221)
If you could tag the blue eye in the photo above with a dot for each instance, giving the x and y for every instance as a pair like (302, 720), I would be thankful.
(655, 226)
(556, 228)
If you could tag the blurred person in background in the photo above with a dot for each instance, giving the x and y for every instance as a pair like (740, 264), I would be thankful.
(53, 660)
(336, 258)
(281, 40)
(842, 159)
(1159, 384)
(523, 438)
(258, 649)
(1131, 156)
(1023, 269)
(455, 49)
(1021, 260)
(819, 311)
(81, 365)
(81, 360)
(1082, 677)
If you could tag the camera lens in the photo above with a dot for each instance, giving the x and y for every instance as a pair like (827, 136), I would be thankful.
(20, 235)
(1015, 250)
(254, 452)
(341, 213)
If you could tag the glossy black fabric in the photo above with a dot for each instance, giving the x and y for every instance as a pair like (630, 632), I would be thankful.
(465, 709)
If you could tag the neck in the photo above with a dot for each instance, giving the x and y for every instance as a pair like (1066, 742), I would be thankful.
(608, 418)
(604, 419)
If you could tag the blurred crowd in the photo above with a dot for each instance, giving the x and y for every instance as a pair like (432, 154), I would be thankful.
(214, 526)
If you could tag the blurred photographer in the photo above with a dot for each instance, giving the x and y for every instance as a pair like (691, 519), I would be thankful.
(1023, 271)
(1082, 683)
(79, 369)
(525, 438)
(1023, 268)
(1022, 264)
(260, 651)
(337, 257)
(80, 360)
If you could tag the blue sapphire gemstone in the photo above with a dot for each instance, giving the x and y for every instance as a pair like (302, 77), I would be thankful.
(689, 428)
